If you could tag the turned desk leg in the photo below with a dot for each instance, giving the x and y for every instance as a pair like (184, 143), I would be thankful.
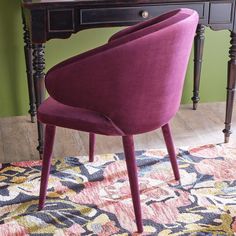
(29, 71)
(198, 52)
(231, 82)
(39, 66)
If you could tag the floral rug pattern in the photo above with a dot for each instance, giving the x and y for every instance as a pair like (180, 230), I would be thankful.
(94, 198)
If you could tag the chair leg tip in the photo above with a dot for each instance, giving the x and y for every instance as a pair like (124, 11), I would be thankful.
(40, 207)
(177, 178)
(140, 231)
(140, 228)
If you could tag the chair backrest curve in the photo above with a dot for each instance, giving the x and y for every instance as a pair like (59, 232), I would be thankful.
(159, 22)
(126, 35)
(135, 80)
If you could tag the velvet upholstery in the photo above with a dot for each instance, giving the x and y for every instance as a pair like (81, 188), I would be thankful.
(160, 21)
(131, 85)
(95, 81)
(53, 112)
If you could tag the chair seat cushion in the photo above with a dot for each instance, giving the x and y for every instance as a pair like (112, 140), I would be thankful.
(58, 114)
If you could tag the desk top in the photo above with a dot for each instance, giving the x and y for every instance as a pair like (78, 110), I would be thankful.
(37, 3)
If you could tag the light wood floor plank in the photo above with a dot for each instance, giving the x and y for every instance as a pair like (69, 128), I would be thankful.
(190, 128)
(18, 137)
(14, 139)
(68, 143)
(2, 155)
(104, 144)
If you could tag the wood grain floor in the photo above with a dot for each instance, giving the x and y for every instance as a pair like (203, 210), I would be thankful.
(18, 136)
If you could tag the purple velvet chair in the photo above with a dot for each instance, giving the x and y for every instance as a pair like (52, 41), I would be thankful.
(131, 85)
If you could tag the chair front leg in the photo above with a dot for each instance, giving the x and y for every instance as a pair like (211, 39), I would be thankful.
(46, 163)
(128, 145)
(171, 149)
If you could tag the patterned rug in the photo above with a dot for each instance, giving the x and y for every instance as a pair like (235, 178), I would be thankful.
(94, 198)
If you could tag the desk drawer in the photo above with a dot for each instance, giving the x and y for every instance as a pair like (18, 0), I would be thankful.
(221, 13)
(127, 15)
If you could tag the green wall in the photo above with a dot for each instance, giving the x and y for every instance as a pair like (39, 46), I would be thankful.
(13, 86)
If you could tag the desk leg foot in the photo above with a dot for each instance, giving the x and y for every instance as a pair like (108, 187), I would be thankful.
(226, 139)
(29, 70)
(40, 155)
(39, 66)
(32, 119)
(195, 104)
(198, 53)
(40, 127)
(231, 82)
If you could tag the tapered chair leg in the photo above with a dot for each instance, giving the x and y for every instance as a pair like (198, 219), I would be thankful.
(46, 164)
(91, 146)
(171, 149)
(128, 145)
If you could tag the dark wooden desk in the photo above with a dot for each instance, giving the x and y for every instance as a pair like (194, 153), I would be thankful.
(47, 19)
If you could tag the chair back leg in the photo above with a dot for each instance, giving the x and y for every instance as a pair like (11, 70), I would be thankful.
(91, 146)
(128, 145)
(171, 149)
(46, 163)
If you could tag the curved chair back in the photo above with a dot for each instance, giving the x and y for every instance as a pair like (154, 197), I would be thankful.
(136, 79)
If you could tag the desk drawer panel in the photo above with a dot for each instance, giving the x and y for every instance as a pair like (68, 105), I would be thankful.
(221, 13)
(132, 14)
(55, 22)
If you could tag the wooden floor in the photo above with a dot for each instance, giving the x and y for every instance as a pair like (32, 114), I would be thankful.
(18, 137)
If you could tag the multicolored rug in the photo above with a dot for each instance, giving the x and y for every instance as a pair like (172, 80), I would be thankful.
(94, 198)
